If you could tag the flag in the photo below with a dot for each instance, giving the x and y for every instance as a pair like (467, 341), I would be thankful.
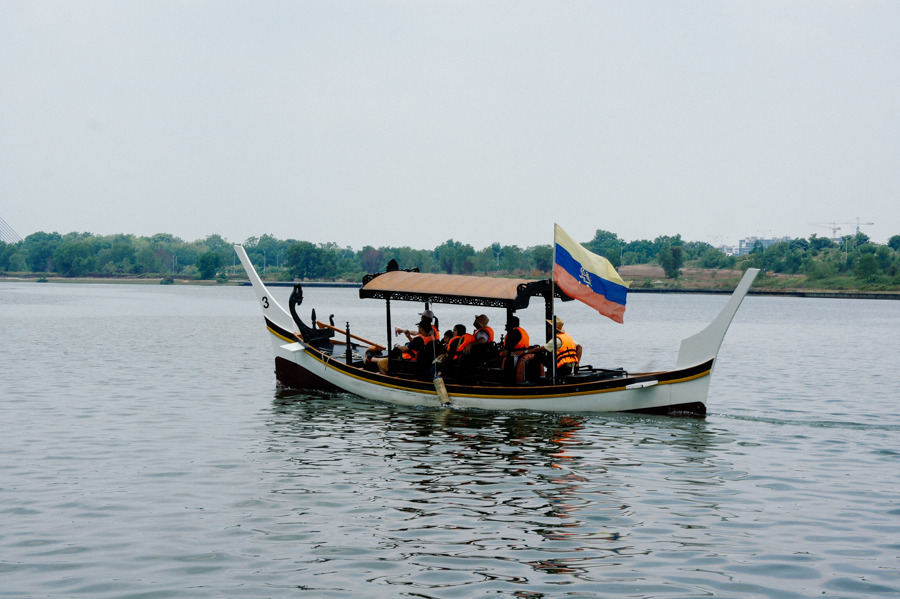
(587, 277)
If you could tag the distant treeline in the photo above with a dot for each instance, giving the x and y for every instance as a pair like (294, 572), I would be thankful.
(164, 255)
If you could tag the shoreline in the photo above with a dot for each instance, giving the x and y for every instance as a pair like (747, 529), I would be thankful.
(812, 293)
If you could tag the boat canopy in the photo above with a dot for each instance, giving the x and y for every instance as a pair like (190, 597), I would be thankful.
(413, 286)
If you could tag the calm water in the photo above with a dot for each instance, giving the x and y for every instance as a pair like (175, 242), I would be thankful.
(145, 452)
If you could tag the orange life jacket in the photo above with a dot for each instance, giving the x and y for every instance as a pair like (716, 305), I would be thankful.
(566, 352)
(461, 342)
(411, 355)
(524, 341)
(487, 330)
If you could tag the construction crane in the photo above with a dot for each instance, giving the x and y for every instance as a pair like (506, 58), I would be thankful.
(859, 223)
(835, 228)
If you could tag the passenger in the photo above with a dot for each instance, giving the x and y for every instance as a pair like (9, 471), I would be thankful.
(481, 351)
(483, 333)
(566, 350)
(516, 337)
(426, 316)
(514, 344)
(430, 317)
(410, 350)
(459, 341)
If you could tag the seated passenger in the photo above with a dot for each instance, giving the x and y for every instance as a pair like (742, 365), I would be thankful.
(411, 349)
(459, 341)
(566, 350)
(477, 353)
(483, 333)
(426, 316)
(515, 343)
(429, 316)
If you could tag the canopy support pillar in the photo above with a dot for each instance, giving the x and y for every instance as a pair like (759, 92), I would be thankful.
(387, 305)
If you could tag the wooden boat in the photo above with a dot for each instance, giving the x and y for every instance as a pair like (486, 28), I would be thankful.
(321, 356)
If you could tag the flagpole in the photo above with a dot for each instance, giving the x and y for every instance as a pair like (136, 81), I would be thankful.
(553, 308)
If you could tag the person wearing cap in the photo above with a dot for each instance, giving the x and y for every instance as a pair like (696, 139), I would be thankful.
(483, 333)
(566, 349)
(426, 316)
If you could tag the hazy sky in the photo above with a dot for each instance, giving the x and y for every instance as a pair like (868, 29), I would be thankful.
(412, 122)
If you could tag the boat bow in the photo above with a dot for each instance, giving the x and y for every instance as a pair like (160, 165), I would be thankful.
(705, 345)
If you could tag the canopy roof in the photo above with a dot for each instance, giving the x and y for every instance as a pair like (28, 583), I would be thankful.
(403, 285)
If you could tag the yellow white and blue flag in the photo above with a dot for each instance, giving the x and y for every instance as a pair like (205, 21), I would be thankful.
(587, 277)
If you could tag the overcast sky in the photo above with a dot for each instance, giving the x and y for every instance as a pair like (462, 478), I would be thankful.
(413, 122)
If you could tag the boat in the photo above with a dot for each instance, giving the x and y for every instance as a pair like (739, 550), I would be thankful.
(321, 356)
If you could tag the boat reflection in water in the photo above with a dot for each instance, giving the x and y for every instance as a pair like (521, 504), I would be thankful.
(552, 492)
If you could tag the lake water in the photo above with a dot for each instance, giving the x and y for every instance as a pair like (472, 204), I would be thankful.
(146, 452)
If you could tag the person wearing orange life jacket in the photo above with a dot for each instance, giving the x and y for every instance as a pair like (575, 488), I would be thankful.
(481, 350)
(459, 341)
(514, 344)
(566, 350)
(410, 350)
(483, 333)
(516, 337)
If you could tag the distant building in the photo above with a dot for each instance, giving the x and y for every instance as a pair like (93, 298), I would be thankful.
(745, 246)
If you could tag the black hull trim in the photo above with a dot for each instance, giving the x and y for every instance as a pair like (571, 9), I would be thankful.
(292, 376)
(693, 409)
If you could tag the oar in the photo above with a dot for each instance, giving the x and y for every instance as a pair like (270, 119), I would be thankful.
(372, 344)
(441, 389)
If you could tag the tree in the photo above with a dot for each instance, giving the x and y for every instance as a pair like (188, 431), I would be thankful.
(883, 255)
(39, 248)
(608, 245)
(671, 258)
(512, 258)
(372, 260)
(713, 258)
(146, 260)
(819, 243)
(208, 264)
(894, 242)
(867, 266)
(75, 257)
(304, 260)
(452, 255)
(541, 258)
(639, 252)
(6, 252)
(118, 253)
(860, 239)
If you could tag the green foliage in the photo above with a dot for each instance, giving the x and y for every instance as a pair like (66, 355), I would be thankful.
(608, 245)
(853, 263)
(542, 258)
(75, 256)
(820, 243)
(208, 264)
(713, 258)
(306, 261)
(867, 266)
(671, 258)
(455, 256)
